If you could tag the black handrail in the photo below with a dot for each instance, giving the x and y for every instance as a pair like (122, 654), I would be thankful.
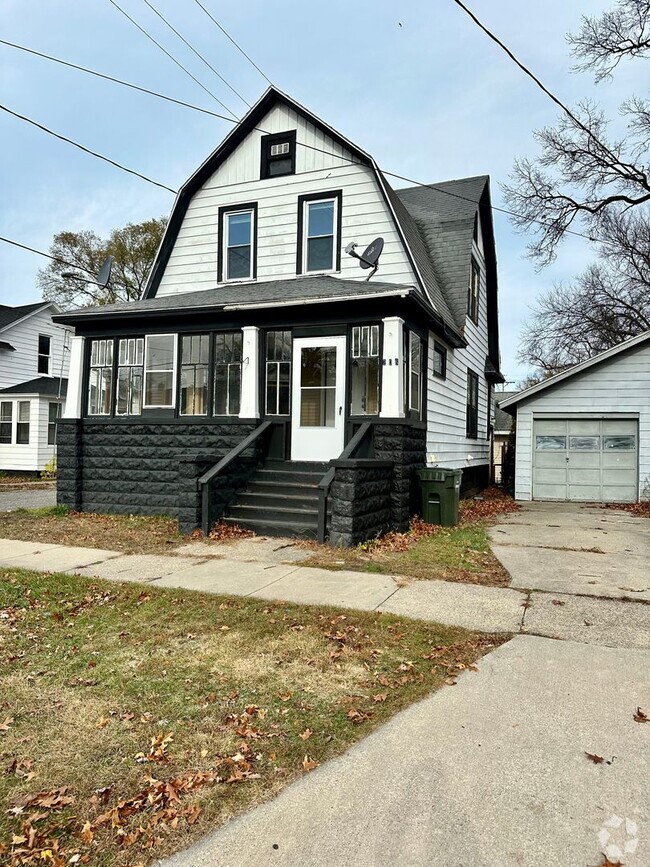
(207, 477)
(326, 482)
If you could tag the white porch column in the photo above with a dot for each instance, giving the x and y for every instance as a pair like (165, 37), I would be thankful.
(392, 379)
(250, 379)
(74, 399)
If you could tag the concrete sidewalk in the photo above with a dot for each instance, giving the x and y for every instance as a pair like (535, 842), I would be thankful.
(614, 623)
(489, 773)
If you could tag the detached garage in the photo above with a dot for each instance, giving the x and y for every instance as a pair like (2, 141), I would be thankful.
(584, 434)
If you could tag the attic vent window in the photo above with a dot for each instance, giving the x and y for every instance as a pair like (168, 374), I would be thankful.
(278, 155)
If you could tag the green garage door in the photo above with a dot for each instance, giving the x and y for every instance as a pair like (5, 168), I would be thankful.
(584, 459)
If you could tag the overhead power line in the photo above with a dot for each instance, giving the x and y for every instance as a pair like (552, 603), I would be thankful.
(171, 57)
(228, 36)
(85, 149)
(49, 256)
(197, 53)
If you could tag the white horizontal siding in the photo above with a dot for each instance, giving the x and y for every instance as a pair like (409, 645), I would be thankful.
(26, 456)
(22, 365)
(446, 399)
(364, 216)
(620, 385)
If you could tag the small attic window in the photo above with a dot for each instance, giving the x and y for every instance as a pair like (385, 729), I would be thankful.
(278, 155)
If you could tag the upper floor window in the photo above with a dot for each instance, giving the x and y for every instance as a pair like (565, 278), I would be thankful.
(439, 361)
(228, 351)
(195, 365)
(44, 343)
(278, 155)
(278, 372)
(100, 381)
(319, 219)
(159, 370)
(237, 242)
(364, 374)
(471, 418)
(6, 422)
(130, 359)
(473, 291)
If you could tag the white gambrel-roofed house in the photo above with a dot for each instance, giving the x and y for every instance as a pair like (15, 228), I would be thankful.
(33, 381)
(265, 377)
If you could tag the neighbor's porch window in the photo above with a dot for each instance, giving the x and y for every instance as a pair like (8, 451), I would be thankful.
(195, 367)
(53, 415)
(278, 372)
(6, 421)
(100, 380)
(364, 361)
(159, 370)
(129, 376)
(227, 373)
(22, 427)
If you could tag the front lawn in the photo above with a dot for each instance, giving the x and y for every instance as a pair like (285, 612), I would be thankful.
(134, 719)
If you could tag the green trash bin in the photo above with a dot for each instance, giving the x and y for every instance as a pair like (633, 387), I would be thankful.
(440, 495)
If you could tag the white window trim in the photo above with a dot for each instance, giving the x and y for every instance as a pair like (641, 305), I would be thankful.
(305, 233)
(225, 234)
(171, 405)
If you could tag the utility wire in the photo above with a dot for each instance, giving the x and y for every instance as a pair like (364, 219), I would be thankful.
(198, 54)
(49, 256)
(171, 57)
(85, 149)
(228, 36)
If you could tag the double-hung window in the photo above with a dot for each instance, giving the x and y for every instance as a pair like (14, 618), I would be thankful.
(415, 374)
(227, 373)
(22, 426)
(278, 372)
(100, 380)
(6, 421)
(44, 345)
(471, 420)
(195, 366)
(238, 232)
(159, 370)
(473, 291)
(319, 233)
(53, 415)
(439, 361)
(130, 359)
(365, 370)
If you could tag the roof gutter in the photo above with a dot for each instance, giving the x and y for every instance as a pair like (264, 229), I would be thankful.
(299, 302)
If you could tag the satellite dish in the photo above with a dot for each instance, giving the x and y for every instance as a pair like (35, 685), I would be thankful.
(104, 276)
(371, 254)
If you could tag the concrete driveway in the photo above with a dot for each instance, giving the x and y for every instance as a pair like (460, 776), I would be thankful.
(576, 549)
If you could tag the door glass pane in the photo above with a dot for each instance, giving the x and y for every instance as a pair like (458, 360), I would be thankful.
(619, 443)
(318, 367)
(584, 443)
(318, 386)
(550, 443)
(317, 407)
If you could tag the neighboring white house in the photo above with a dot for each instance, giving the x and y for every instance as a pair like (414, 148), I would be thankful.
(584, 434)
(33, 381)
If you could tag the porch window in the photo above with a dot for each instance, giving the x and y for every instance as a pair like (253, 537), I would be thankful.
(278, 372)
(473, 291)
(412, 373)
(471, 420)
(129, 376)
(159, 370)
(53, 415)
(22, 426)
(318, 233)
(195, 364)
(227, 373)
(6, 420)
(100, 381)
(365, 370)
(44, 342)
(237, 242)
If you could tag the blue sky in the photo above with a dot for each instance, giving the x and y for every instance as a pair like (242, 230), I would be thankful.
(431, 99)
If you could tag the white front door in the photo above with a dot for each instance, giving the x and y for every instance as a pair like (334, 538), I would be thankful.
(317, 416)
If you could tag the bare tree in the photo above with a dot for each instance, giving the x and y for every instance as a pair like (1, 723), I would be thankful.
(133, 249)
(586, 180)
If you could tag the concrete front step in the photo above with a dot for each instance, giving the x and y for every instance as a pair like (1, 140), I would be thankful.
(276, 499)
(272, 527)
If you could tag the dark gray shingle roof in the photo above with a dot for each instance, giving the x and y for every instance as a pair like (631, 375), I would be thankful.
(9, 315)
(503, 421)
(44, 385)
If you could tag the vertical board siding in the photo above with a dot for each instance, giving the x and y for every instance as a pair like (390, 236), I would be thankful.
(365, 215)
(620, 385)
(446, 399)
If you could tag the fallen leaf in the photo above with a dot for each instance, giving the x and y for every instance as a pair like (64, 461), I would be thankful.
(558, 602)
(597, 760)
(103, 722)
(87, 835)
(309, 764)
(4, 726)
(640, 716)
(381, 696)
(306, 734)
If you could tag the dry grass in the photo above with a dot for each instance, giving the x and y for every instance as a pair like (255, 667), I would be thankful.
(94, 676)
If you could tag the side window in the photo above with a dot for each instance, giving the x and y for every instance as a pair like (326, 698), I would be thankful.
(415, 373)
(130, 359)
(6, 420)
(473, 291)
(44, 344)
(22, 427)
(100, 380)
(364, 363)
(278, 372)
(53, 415)
(237, 234)
(439, 361)
(227, 373)
(195, 366)
(319, 233)
(471, 418)
(159, 370)
(278, 155)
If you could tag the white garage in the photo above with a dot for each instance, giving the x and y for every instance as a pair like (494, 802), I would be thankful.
(584, 434)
